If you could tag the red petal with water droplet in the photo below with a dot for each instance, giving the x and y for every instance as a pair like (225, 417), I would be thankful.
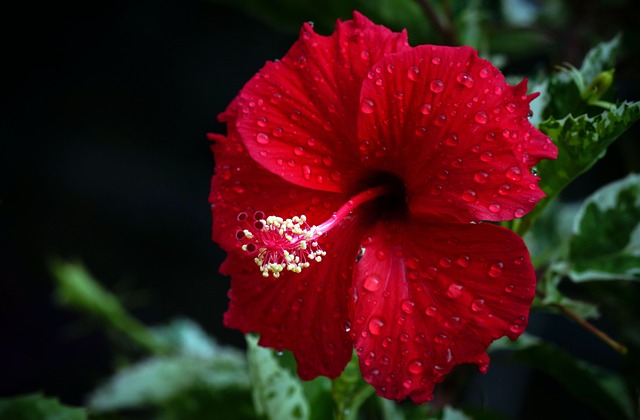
(303, 312)
(302, 109)
(441, 295)
(447, 123)
(240, 183)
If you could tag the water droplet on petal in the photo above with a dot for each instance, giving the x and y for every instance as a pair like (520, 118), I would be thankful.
(277, 132)
(413, 73)
(481, 117)
(495, 208)
(463, 261)
(484, 73)
(375, 326)
(298, 151)
(416, 367)
(477, 305)
(407, 384)
(436, 60)
(490, 136)
(504, 189)
(515, 328)
(481, 177)
(509, 288)
(425, 109)
(469, 196)
(496, 269)
(347, 326)
(440, 120)
(381, 255)
(514, 173)
(364, 54)
(390, 68)
(367, 106)
(465, 79)
(518, 213)
(452, 140)
(431, 311)
(436, 86)
(262, 121)
(262, 138)
(407, 306)
(306, 172)
(486, 157)
(372, 283)
(455, 290)
(511, 107)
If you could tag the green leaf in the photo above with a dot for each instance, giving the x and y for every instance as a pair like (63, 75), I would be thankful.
(277, 394)
(581, 142)
(562, 95)
(594, 386)
(156, 381)
(76, 288)
(38, 407)
(350, 390)
(606, 240)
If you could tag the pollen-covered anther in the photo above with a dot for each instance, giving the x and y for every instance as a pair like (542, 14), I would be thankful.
(280, 244)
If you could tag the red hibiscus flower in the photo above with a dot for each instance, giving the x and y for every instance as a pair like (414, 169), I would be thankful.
(350, 193)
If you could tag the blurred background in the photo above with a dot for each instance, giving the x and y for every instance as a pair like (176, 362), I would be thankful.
(104, 160)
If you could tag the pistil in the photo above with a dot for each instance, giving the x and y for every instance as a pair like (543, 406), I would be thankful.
(280, 244)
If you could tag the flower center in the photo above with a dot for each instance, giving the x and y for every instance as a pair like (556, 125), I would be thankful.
(291, 244)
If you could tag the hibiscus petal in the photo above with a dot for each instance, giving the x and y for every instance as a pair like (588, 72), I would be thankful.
(303, 312)
(240, 183)
(448, 115)
(429, 297)
(297, 115)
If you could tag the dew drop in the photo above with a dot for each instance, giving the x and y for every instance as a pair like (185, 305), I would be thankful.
(436, 86)
(444, 262)
(335, 176)
(404, 337)
(504, 189)
(477, 305)
(452, 140)
(390, 68)
(367, 106)
(440, 120)
(407, 306)
(484, 73)
(298, 151)
(306, 172)
(416, 367)
(407, 384)
(481, 177)
(490, 136)
(514, 173)
(381, 255)
(498, 90)
(295, 115)
(509, 288)
(481, 117)
(495, 208)
(519, 213)
(262, 138)
(469, 196)
(495, 270)
(463, 261)
(372, 283)
(364, 54)
(515, 328)
(375, 326)
(511, 107)
(441, 338)
(425, 109)
(454, 322)
(465, 79)
(454, 290)
(486, 157)
(431, 311)
(277, 132)
(413, 73)
(347, 326)
(436, 60)
(262, 121)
